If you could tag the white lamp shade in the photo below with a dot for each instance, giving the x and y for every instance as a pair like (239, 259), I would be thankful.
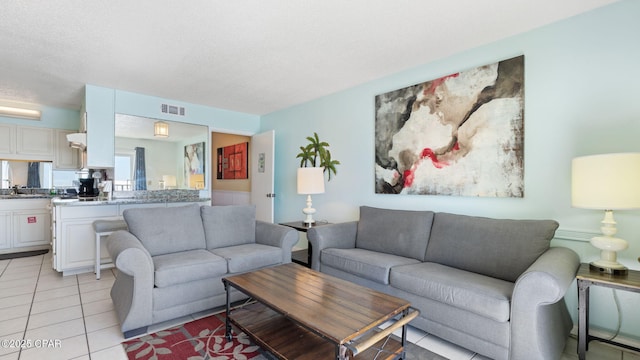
(606, 182)
(310, 180)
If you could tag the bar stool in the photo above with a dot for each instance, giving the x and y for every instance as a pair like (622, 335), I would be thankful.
(105, 228)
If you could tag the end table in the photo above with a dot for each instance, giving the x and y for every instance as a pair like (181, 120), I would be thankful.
(586, 278)
(303, 257)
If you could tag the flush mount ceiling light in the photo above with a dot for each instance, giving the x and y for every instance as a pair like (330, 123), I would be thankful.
(19, 113)
(161, 129)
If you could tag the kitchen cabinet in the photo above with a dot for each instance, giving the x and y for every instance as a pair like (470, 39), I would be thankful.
(25, 225)
(67, 158)
(5, 230)
(100, 123)
(26, 143)
(7, 139)
(31, 228)
(34, 141)
(73, 237)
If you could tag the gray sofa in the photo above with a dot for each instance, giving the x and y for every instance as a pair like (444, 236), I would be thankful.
(493, 286)
(171, 261)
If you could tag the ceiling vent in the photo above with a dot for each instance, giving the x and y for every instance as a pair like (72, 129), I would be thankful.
(172, 109)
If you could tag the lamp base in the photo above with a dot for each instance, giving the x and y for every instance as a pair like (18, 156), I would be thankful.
(606, 269)
(309, 211)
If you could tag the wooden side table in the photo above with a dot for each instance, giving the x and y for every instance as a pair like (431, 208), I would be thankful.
(303, 257)
(586, 278)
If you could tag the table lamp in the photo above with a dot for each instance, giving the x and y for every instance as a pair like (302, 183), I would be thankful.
(310, 181)
(607, 182)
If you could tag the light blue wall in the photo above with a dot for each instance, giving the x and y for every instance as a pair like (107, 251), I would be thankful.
(218, 119)
(51, 117)
(581, 97)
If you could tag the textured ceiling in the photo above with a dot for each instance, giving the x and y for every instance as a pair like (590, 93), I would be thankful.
(252, 56)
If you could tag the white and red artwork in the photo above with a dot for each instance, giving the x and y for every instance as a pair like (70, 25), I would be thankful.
(461, 134)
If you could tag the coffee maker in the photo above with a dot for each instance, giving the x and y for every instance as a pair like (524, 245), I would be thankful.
(86, 189)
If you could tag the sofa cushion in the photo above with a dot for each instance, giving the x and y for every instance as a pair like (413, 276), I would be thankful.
(398, 232)
(368, 264)
(165, 230)
(241, 258)
(482, 295)
(185, 266)
(229, 225)
(499, 248)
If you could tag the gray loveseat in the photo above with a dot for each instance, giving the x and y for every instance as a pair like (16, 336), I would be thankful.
(171, 261)
(493, 286)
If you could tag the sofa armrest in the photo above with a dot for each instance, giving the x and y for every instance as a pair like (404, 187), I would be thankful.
(277, 235)
(132, 291)
(342, 235)
(539, 316)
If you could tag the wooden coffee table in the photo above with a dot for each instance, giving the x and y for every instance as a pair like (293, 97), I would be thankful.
(303, 314)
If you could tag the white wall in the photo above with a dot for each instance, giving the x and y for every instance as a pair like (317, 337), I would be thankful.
(581, 97)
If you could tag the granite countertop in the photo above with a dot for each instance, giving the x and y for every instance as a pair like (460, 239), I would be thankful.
(25, 196)
(153, 200)
(125, 197)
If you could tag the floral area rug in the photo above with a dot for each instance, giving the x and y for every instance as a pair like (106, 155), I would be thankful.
(204, 339)
(197, 340)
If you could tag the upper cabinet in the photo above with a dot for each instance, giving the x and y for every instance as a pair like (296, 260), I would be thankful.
(26, 143)
(36, 142)
(100, 125)
(7, 139)
(67, 158)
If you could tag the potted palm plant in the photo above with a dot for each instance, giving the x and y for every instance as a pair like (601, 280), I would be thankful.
(315, 160)
(317, 154)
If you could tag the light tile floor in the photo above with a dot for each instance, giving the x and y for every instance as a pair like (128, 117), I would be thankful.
(73, 317)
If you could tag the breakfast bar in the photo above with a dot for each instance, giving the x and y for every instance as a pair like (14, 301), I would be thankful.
(74, 242)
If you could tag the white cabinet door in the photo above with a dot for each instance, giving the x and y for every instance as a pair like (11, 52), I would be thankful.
(75, 246)
(79, 244)
(7, 139)
(31, 228)
(34, 141)
(5, 229)
(66, 156)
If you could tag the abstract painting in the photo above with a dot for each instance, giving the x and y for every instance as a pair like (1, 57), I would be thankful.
(460, 135)
(233, 161)
(194, 165)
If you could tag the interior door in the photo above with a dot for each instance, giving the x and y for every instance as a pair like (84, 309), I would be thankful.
(262, 189)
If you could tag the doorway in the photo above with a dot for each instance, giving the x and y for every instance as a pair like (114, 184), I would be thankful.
(229, 190)
(258, 188)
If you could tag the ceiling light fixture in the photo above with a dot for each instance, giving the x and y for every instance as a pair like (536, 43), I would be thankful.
(19, 113)
(161, 129)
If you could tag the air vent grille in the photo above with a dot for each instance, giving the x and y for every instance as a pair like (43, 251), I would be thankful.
(172, 109)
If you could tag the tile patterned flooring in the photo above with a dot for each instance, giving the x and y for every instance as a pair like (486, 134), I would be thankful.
(76, 318)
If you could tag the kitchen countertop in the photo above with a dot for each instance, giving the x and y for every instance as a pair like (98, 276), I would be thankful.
(25, 196)
(151, 200)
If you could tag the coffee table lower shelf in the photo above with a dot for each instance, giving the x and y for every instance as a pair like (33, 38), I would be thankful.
(287, 340)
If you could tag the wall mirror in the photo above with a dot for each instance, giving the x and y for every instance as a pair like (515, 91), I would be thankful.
(174, 154)
(26, 174)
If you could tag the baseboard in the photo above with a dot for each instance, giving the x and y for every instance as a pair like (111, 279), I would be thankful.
(22, 254)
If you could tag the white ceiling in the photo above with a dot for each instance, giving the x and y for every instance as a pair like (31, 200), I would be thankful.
(252, 56)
